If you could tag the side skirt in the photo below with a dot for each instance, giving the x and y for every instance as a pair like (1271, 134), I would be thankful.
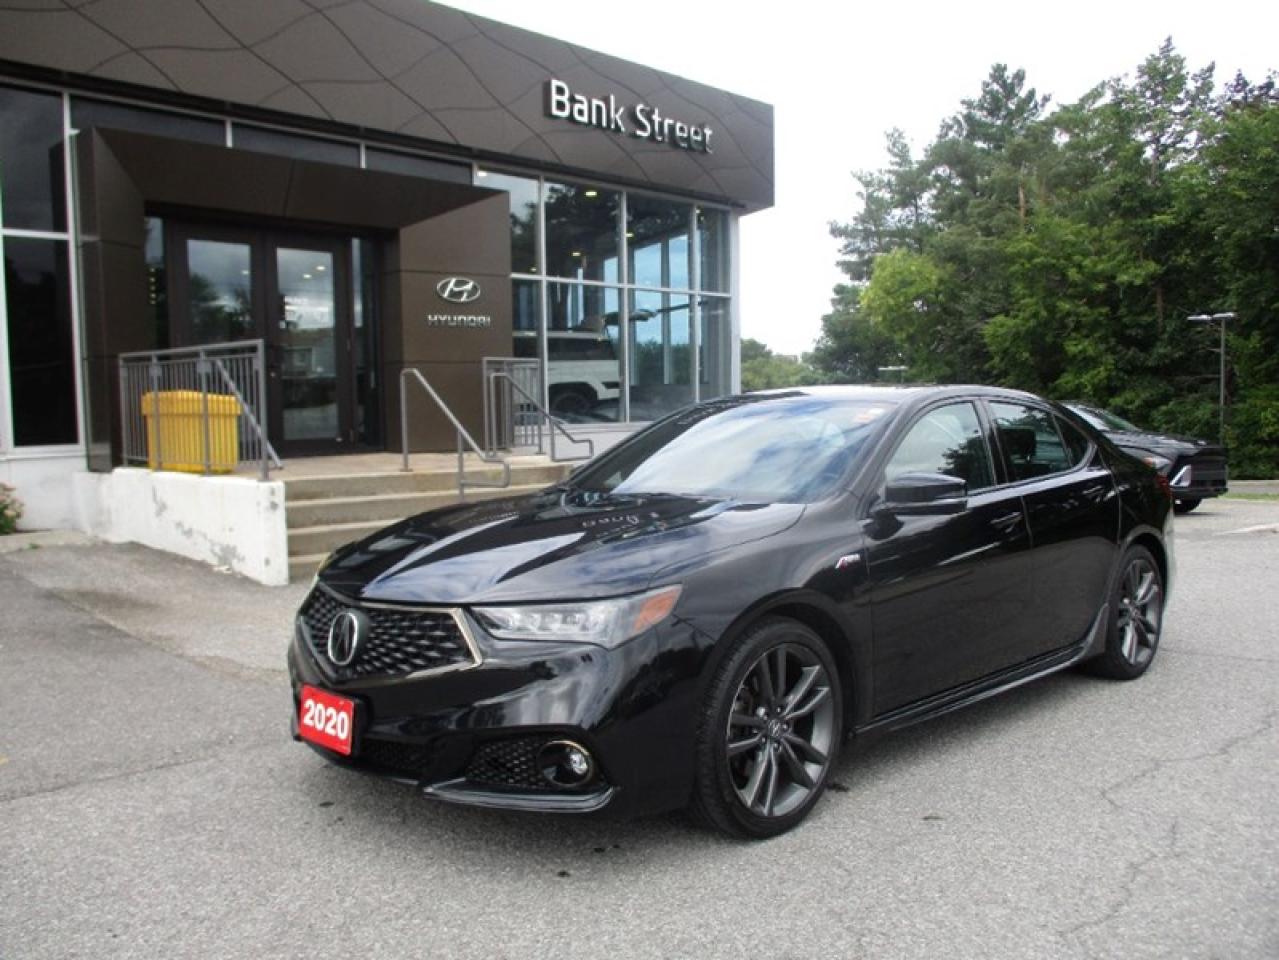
(1092, 643)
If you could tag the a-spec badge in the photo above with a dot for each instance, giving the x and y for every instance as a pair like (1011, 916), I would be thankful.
(847, 560)
(458, 289)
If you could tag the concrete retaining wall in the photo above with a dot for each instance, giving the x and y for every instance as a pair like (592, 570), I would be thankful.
(231, 522)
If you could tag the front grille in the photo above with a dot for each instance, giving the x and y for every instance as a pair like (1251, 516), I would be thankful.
(1208, 471)
(400, 641)
(509, 763)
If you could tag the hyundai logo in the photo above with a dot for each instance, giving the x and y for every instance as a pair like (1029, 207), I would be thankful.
(346, 637)
(458, 289)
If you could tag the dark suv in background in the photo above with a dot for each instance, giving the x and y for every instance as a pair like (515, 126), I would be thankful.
(1196, 469)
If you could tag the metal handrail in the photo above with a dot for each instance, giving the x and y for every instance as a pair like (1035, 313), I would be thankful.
(552, 423)
(462, 434)
(194, 366)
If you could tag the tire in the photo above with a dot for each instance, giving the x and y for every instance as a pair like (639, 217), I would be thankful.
(1136, 619)
(1186, 505)
(764, 754)
(572, 401)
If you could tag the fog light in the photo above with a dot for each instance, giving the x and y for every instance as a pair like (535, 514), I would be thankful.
(566, 764)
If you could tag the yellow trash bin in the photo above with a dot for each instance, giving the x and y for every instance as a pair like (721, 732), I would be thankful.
(175, 431)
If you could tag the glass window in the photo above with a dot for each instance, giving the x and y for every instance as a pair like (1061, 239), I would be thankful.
(283, 144)
(389, 161)
(661, 353)
(946, 440)
(524, 310)
(1076, 443)
(762, 448)
(583, 367)
(157, 282)
(1032, 447)
(115, 116)
(32, 182)
(523, 193)
(581, 232)
(657, 237)
(41, 354)
(716, 346)
(712, 238)
(220, 284)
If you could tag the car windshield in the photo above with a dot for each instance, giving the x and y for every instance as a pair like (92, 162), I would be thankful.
(1105, 420)
(768, 448)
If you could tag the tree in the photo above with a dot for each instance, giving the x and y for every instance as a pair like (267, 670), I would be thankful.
(764, 370)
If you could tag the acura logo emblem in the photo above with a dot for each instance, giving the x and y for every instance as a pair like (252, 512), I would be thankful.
(346, 637)
(458, 289)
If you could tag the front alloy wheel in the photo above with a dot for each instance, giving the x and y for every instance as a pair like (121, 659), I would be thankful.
(775, 708)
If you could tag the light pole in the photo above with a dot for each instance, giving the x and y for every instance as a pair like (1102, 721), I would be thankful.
(1220, 319)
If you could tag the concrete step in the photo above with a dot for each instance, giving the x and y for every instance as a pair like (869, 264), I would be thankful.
(345, 519)
(419, 481)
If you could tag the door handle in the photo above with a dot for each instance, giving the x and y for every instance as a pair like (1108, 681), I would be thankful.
(1007, 521)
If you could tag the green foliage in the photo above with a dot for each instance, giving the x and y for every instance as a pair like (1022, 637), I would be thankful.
(764, 370)
(10, 509)
(1063, 251)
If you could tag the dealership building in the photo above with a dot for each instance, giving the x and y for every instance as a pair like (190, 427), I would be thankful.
(360, 188)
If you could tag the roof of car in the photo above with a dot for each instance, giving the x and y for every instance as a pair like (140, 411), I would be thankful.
(898, 393)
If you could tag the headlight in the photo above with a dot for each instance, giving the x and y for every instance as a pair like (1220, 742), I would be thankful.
(606, 623)
(1152, 459)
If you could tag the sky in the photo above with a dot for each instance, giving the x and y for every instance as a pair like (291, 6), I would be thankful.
(841, 74)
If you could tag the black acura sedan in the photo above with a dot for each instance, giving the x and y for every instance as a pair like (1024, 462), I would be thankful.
(704, 614)
(1196, 469)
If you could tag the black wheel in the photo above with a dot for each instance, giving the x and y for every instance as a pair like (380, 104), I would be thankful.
(572, 401)
(1186, 504)
(1137, 608)
(770, 731)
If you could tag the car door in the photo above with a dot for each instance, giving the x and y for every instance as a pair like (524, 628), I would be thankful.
(949, 595)
(1073, 511)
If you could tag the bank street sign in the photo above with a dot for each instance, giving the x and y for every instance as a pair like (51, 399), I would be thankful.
(640, 120)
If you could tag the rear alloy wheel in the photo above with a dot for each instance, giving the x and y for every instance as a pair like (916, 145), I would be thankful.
(1136, 618)
(1186, 504)
(770, 732)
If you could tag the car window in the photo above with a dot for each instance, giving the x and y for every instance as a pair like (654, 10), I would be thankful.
(1076, 443)
(945, 440)
(1030, 441)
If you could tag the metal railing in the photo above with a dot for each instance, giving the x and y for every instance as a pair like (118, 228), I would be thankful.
(508, 423)
(462, 435)
(196, 409)
(552, 424)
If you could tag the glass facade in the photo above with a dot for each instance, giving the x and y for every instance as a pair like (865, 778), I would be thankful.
(32, 182)
(281, 144)
(638, 321)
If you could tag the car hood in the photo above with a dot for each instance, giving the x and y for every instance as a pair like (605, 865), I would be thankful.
(553, 544)
(1159, 441)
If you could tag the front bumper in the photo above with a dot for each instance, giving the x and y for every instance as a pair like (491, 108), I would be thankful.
(472, 735)
(1198, 481)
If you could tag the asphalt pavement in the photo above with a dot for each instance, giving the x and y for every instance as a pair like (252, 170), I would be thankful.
(153, 805)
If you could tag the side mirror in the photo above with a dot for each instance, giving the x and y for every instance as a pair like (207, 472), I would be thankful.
(924, 495)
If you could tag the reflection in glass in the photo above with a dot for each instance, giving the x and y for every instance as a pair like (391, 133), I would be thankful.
(524, 297)
(1032, 446)
(364, 319)
(32, 187)
(157, 282)
(715, 348)
(946, 440)
(712, 237)
(661, 353)
(283, 144)
(523, 193)
(86, 114)
(581, 232)
(657, 238)
(219, 288)
(307, 338)
(415, 166)
(583, 370)
(41, 356)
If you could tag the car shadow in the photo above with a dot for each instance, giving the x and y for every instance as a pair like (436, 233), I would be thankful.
(562, 844)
